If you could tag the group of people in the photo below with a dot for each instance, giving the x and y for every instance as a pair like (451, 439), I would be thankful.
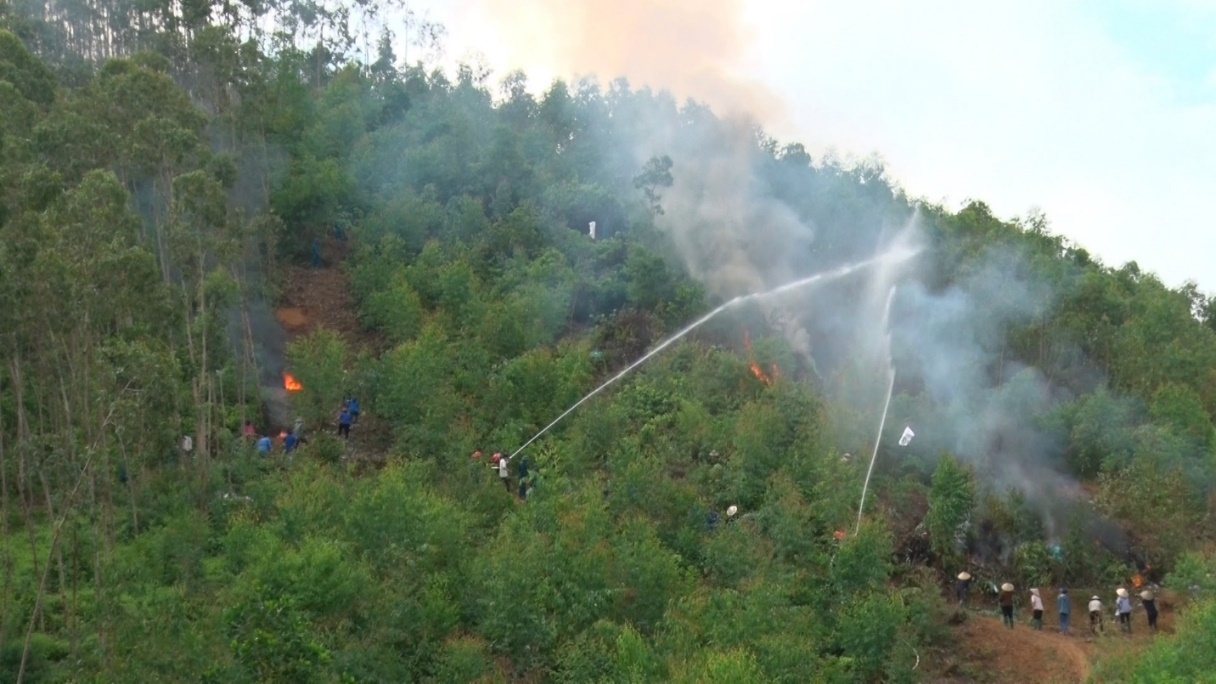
(501, 463)
(264, 443)
(1123, 607)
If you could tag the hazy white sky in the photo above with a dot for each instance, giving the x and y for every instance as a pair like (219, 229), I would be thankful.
(1100, 112)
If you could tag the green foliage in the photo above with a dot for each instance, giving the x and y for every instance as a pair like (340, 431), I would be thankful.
(951, 504)
(318, 363)
(143, 224)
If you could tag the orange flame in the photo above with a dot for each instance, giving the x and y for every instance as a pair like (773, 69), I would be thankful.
(1137, 581)
(291, 384)
(755, 367)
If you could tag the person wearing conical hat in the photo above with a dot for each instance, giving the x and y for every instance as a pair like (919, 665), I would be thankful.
(1150, 608)
(962, 586)
(1036, 606)
(1123, 610)
(1006, 601)
(1095, 616)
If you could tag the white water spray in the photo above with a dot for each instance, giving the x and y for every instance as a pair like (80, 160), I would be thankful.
(886, 258)
(886, 315)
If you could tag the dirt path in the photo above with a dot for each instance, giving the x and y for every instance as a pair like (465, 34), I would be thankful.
(321, 297)
(996, 654)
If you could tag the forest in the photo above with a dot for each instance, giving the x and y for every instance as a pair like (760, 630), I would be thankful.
(219, 217)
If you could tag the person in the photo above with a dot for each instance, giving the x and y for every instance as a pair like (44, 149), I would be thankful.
(962, 586)
(316, 253)
(354, 409)
(1123, 610)
(249, 431)
(264, 445)
(1150, 609)
(290, 442)
(1036, 607)
(523, 477)
(1064, 606)
(1095, 616)
(504, 472)
(298, 430)
(1006, 601)
(344, 423)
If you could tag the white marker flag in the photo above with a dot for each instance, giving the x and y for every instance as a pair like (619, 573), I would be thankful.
(906, 437)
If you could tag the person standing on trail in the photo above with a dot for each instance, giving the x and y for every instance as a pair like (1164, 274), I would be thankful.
(1006, 601)
(344, 423)
(1064, 605)
(1036, 605)
(962, 586)
(316, 253)
(1123, 610)
(1150, 608)
(1095, 616)
(352, 405)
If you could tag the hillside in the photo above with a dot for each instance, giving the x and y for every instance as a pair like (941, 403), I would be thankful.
(209, 218)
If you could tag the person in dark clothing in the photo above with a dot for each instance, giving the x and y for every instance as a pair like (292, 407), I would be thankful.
(353, 407)
(962, 586)
(344, 423)
(290, 442)
(1150, 609)
(1006, 601)
(316, 254)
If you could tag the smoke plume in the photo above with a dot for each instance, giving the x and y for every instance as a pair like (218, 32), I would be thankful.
(692, 48)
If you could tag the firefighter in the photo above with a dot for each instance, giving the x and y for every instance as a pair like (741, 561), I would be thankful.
(1150, 608)
(1036, 606)
(962, 586)
(1006, 601)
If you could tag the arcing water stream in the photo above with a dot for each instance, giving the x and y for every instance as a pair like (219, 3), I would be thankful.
(886, 316)
(886, 258)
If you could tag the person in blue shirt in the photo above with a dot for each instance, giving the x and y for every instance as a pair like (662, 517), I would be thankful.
(353, 407)
(264, 445)
(316, 254)
(344, 423)
(290, 442)
(1064, 606)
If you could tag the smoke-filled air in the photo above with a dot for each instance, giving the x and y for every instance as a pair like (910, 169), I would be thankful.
(324, 359)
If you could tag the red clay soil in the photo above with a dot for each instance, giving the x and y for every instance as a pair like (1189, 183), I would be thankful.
(321, 298)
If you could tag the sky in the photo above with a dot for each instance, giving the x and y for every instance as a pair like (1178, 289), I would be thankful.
(1099, 113)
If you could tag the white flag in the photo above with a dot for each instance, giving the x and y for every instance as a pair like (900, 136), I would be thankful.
(592, 230)
(906, 437)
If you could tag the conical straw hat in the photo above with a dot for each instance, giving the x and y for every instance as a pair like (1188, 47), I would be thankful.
(964, 575)
(1006, 587)
(1035, 592)
(1121, 591)
(1146, 595)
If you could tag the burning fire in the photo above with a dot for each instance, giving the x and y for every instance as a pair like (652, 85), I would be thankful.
(755, 367)
(1138, 579)
(291, 384)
